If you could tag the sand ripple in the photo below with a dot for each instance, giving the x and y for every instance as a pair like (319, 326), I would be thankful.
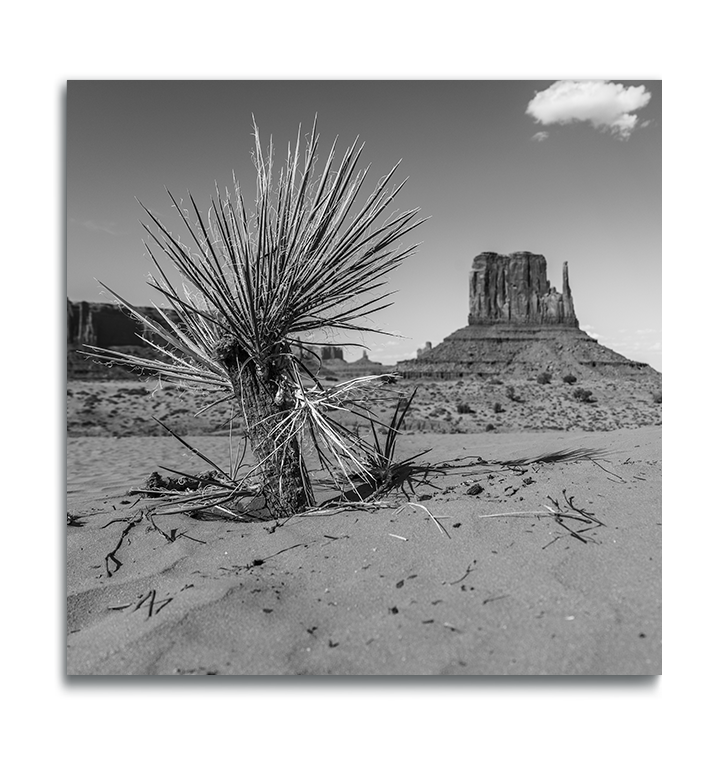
(110, 466)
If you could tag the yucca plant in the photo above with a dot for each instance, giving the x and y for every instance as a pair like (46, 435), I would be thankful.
(312, 256)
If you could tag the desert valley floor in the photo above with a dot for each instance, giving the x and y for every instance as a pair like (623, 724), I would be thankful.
(434, 583)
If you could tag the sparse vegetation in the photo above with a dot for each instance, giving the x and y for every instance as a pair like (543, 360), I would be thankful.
(583, 395)
(253, 286)
(380, 459)
(498, 409)
(569, 379)
(512, 395)
(489, 427)
(544, 378)
(657, 397)
(464, 408)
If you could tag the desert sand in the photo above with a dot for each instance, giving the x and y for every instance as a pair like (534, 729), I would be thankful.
(396, 591)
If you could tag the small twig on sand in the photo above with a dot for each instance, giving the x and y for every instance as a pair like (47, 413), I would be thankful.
(495, 599)
(558, 515)
(558, 520)
(609, 471)
(162, 604)
(195, 540)
(509, 513)
(437, 523)
(584, 516)
(173, 535)
(157, 529)
(258, 562)
(143, 600)
(111, 556)
(470, 568)
(350, 506)
(571, 504)
(115, 521)
(152, 603)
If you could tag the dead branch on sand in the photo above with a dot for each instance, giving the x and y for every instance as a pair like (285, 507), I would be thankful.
(559, 515)
(132, 521)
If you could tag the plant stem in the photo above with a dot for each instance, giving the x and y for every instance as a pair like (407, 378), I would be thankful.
(263, 394)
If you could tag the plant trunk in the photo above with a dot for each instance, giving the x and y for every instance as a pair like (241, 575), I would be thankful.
(265, 400)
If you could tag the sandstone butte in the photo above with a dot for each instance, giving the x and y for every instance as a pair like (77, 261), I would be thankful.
(518, 325)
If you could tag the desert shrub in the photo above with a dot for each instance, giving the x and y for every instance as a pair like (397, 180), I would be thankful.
(495, 380)
(489, 427)
(512, 395)
(544, 378)
(464, 408)
(247, 287)
(569, 379)
(583, 395)
(498, 409)
(657, 397)
(380, 457)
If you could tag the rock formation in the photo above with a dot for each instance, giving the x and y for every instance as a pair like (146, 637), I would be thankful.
(514, 289)
(517, 325)
(111, 327)
(424, 350)
(103, 325)
(106, 325)
(331, 353)
(329, 361)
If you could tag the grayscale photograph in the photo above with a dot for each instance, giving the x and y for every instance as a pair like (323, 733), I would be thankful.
(364, 377)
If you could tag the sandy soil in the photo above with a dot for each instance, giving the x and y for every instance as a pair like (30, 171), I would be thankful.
(375, 593)
(462, 406)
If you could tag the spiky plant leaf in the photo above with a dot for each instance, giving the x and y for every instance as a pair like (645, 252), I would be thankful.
(311, 256)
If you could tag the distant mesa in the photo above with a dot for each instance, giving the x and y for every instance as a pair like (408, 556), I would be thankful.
(329, 361)
(110, 326)
(518, 324)
(107, 325)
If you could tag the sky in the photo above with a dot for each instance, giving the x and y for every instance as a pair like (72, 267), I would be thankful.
(570, 169)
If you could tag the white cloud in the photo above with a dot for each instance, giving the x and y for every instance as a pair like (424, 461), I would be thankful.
(106, 226)
(540, 136)
(606, 105)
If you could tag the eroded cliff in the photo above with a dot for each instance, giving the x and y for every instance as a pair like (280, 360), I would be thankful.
(514, 289)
